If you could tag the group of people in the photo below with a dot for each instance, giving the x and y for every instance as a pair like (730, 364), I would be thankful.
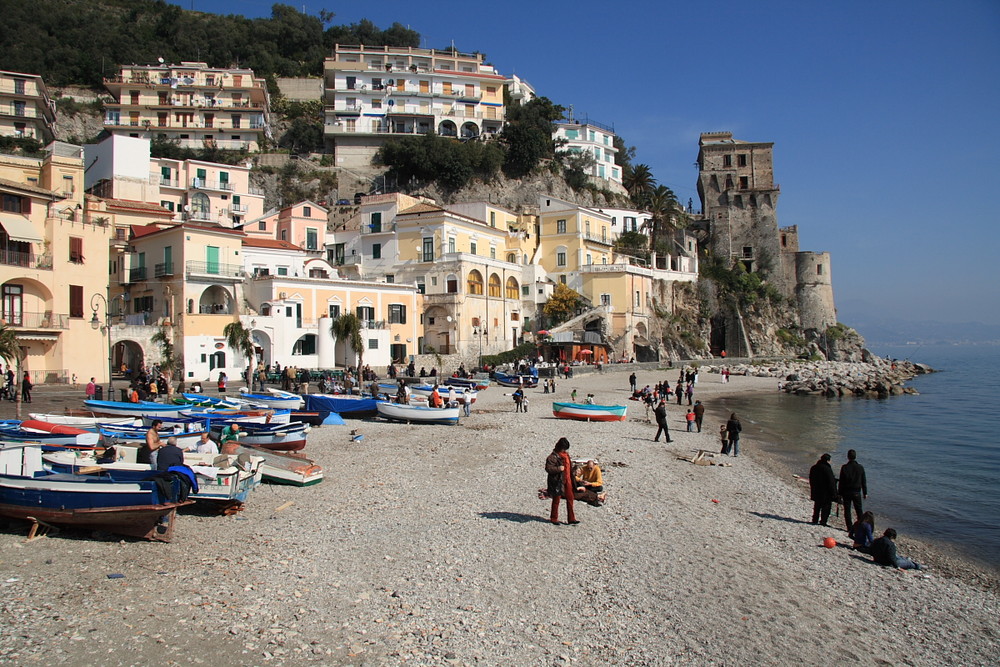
(851, 490)
(10, 390)
(566, 481)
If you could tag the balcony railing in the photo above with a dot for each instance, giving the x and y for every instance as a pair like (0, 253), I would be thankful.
(373, 324)
(46, 320)
(136, 274)
(213, 269)
(202, 184)
(165, 269)
(27, 260)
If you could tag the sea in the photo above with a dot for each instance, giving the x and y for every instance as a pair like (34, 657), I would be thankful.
(932, 460)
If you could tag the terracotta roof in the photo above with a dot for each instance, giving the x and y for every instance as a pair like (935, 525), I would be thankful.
(142, 230)
(27, 187)
(269, 243)
(421, 208)
(135, 205)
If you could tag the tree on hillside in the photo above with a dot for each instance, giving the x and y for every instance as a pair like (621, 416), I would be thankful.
(667, 216)
(562, 305)
(347, 329)
(639, 181)
(528, 135)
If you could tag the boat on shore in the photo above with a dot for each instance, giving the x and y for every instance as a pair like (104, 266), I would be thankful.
(80, 421)
(473, 383)
(590, 413)
(48, 434)
(275, 398)
(284, 468)
(136, 435)
(416, 414)
(349, 407)
(136, 410)
(289, 437)
(523, 381)
(29, 492)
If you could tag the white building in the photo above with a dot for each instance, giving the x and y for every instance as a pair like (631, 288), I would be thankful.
(587, 136)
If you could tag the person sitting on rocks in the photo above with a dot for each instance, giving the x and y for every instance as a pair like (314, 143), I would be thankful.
(589, 484)
(863, 532)
(883, 552)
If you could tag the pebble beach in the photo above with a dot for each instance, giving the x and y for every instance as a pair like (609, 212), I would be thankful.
(428, 545)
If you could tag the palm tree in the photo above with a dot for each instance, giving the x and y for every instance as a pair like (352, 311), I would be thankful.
(347, 328)
(667, 212)
(10, 349)
(238, 339)
(639, 181)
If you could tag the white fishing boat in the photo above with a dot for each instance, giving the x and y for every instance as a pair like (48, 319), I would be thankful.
(416, 414)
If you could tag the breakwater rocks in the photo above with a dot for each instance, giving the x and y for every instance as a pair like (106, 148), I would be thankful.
(876, 378)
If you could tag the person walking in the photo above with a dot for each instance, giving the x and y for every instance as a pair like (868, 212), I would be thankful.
(689, 392)
(733, 429)
(26, 388)
(689, 418)
(852, 486)
(660, 412)
(92, 389)
(679, 392)
(699, 414)
(560, 481)
(822, 489)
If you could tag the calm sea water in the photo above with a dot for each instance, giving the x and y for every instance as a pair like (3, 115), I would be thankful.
(932, 461)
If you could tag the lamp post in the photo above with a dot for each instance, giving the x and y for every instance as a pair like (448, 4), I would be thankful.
(480, 331)
(95, 324)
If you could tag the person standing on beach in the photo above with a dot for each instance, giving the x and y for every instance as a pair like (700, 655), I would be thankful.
(661, 422)
(733, 429)
(560, 481)
(92, 389)
(852, 486)
(822, 489)
(699, 414)
(631, 382)
(679, 392)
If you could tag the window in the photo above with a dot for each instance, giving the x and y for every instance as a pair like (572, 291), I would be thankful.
(376, 104)
(237, 120)
(334, 310)
(307, 211)
(637, 299)
(562, 278)
(560, 259)
(493, 252)
(475, 282)
(376, 251)
(741, 159)
(819, 269)
(747, 252)
(262, 226)
(351, 82)
(512, 291)
(282, 270)
(525, 290)
(373, 343)
(76, 301)
(397, 313)
(19, 86)
(494, 285)
(493, 218)
(560, 226)
(284, 234)
(428, 252)
(305, 345)
(590, 259)
(421, 284)
(169, 205)
(451, 284)
(15, 204)
(605, 299)
(744, 182)
(76, 250)
(451, 244)
(366, 313)
(312, 239)
(473, 247)
(727, 160)
(375, 226)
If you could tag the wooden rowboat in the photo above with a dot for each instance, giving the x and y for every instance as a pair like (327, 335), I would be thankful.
(415, 414)
(589, 413)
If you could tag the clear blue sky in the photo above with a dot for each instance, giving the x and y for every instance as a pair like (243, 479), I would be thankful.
(883, 116)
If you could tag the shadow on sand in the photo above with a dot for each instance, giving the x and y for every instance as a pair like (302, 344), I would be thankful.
(776, 517)
(515, 517)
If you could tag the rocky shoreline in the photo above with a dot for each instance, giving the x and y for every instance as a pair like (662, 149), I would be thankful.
(875, 378)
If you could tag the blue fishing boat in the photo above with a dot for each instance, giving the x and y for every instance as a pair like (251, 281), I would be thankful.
(50, 435)
(351, 407)
(524, 381)
(29, 492)
(120, 409)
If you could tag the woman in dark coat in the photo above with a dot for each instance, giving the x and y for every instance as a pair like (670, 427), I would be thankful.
(26, 388)
(822, 489)
(733, 428)
(560, 481)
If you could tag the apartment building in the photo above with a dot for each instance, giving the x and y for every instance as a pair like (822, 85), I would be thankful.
(25, 108)
(376, 92)
(53, 266)
(192, 103)
(585, 136)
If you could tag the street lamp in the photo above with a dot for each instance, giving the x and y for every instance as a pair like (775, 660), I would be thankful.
(95, 324)
(480, 331)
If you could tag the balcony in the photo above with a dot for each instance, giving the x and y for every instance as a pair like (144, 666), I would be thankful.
(202, 184)
(46, 320)
(604, 240)
(137, 274)
(197, 216)
(25, 260)
(162, 270)
(373, 324)
(213, 269)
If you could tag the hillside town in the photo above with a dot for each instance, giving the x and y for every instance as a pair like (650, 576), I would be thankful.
(107, 247)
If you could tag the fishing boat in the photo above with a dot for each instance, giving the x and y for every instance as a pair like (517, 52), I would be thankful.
(461, 394)
(350, 407)
(264, 416)
(289, 437)
(282, 468)
(417, 414)
(523, 381)
(135, 508)
(136, 435)
(222, 480)
(589, 413)
(140, 409)
(461, 383)
(55, 435)
(80, 421)
(275, 398)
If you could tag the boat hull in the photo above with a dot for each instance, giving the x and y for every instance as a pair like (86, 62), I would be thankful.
(525, 381)
(592, 413)
(118, 409)
(291, 470)
(413, 414)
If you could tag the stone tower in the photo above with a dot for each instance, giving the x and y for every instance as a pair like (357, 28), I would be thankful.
(739, 200)
(814, 290)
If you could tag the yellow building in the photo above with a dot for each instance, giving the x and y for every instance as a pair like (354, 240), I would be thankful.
(197, 105)
(25, 108)
(53, 266)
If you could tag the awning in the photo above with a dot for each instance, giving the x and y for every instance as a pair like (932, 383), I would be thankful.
(37, 336)
(20, 228)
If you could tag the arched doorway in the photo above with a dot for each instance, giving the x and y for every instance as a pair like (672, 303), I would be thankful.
(470, 131)
(262, 346)
(447, 129)
(127, 357)
(216, 300)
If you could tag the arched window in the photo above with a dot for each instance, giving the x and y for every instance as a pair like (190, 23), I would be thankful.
(201, 208)
(512, 290)
(265, 309)
(452, 283)
(475, 282)
(494, 285)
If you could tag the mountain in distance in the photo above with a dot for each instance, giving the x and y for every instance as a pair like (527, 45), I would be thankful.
(927, 332)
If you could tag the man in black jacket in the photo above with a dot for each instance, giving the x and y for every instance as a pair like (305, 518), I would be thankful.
(661, 421)
(852, 487)
(822, 489)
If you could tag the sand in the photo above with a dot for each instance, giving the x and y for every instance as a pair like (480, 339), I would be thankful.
(428, 545)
